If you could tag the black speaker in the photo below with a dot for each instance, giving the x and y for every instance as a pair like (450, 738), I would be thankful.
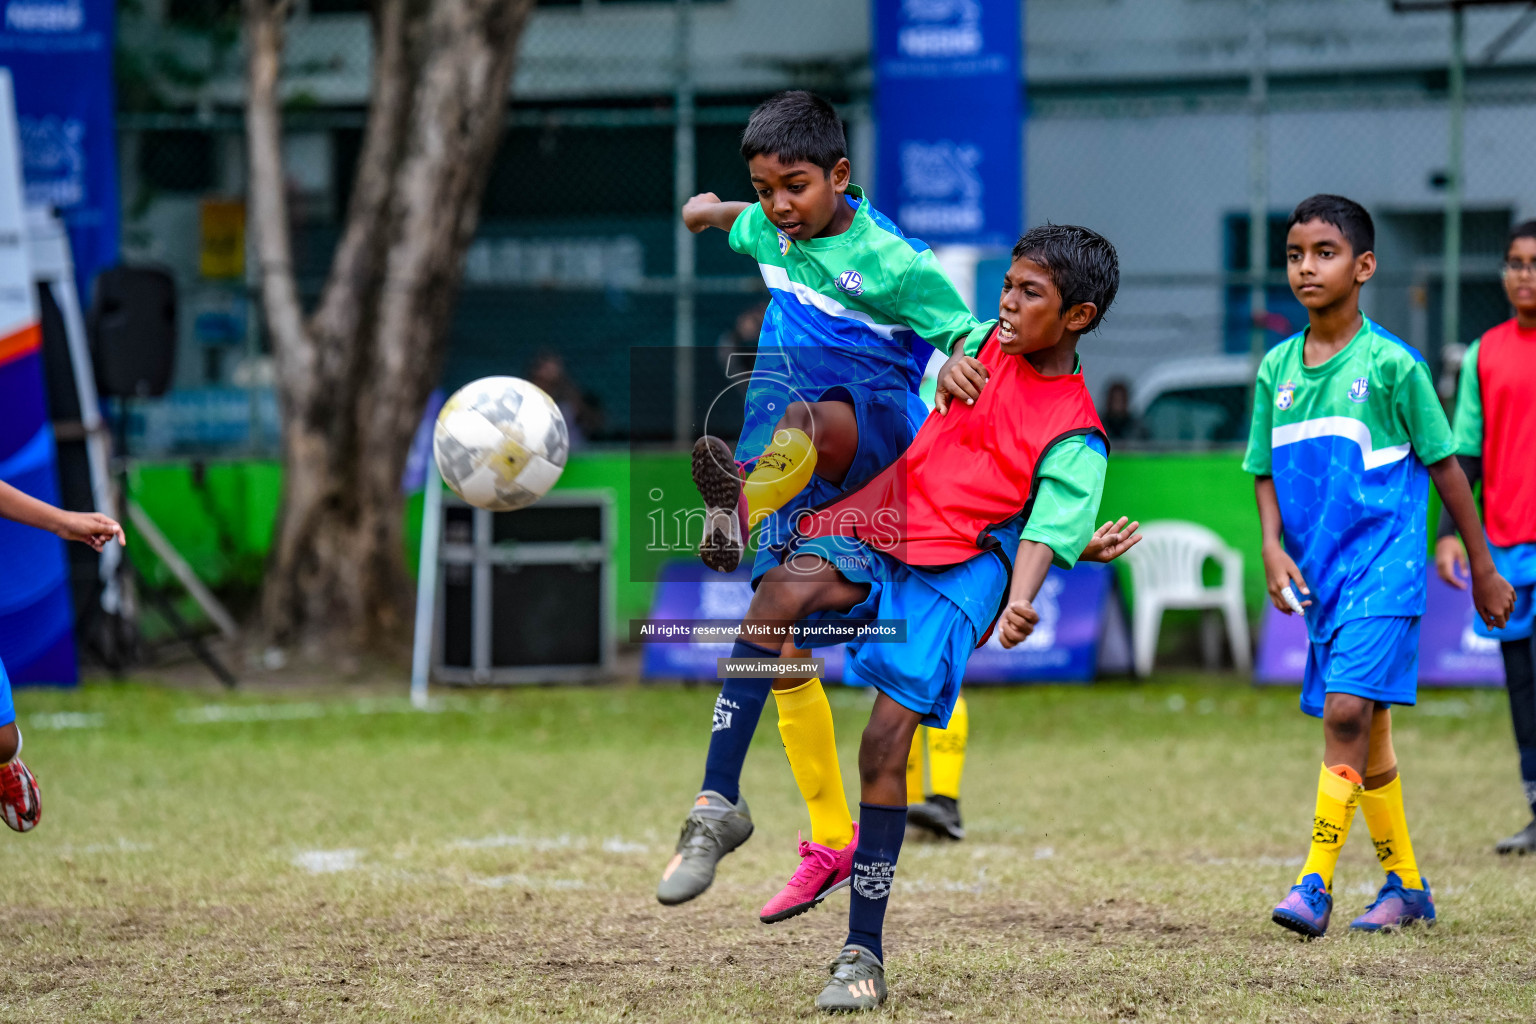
(132, 327)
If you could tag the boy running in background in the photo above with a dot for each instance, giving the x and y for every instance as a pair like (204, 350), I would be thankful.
(1496, 443)
(1347, 432)
(19, 804)
(993, 489)
(856, 307)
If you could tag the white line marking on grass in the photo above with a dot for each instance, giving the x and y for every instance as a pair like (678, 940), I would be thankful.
(287, 711)
(615, 844)
(326, 862)
(121, 845)
(67, 720)
(529, 882)
(211, 713)
(563, 842)
(1044, 852)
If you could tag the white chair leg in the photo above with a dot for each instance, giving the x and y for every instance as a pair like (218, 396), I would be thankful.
(1236, 615)
(1148, 620)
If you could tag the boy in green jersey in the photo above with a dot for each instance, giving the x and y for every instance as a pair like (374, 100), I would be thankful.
(1347, 433)
(857, 309)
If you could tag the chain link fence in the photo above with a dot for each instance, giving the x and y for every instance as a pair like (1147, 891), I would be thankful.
(1174, 125)
(1166, 124)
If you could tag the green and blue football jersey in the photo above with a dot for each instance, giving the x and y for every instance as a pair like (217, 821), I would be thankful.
(1347, 443)
(861, 309)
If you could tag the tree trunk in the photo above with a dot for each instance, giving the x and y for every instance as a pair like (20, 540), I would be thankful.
(353, 378)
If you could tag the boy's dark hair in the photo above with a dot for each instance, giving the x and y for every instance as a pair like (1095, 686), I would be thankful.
(1083, 265)
(796, 126)
(1526, 229)
(1345, 214)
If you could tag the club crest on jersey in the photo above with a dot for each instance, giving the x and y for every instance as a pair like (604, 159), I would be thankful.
(851, 281)
(1284, 395)
(1360, 390)
(783, 244)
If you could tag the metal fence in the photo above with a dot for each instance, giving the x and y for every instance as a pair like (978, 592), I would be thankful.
(1171, 125)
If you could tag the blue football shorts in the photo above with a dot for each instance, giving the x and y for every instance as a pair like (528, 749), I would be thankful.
(1376, 658)
(923, 673)
(7, 705)
(1518, 565)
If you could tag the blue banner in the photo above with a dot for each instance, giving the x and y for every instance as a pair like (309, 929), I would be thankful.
(949, 116)
(1081, 635)
(60, 56)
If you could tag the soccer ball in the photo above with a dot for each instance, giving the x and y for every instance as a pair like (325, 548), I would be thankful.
(500, 443)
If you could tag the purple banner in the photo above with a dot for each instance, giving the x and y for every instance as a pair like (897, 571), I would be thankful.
(1450, 651)
(1082, 631)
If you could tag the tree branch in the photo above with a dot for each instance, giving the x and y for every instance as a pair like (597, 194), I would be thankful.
(269, 199)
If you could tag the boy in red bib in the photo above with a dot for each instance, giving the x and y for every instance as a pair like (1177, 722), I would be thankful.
(954, 538)
(1495, 437)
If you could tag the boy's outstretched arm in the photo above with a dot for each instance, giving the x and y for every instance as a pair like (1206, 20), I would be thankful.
(1111, 540)
(1018, 620)
(705, 210)
(91, 528)
(1280, 569)
(1492, 595)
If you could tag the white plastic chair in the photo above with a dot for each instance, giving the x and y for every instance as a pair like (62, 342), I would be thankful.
(1166, 574)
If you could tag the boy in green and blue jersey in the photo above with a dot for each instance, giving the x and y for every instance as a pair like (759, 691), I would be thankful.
(1347, 433)
(857, 309)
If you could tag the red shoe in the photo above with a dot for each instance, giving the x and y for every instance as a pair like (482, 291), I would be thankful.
(822, 872)
(18, 797)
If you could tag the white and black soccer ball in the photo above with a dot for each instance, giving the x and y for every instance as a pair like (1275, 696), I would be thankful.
(500, 443)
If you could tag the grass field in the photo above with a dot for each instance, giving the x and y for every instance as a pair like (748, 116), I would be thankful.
(327, 858)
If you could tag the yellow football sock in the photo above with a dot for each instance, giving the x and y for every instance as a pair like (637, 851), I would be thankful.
(1337, 795)
(946, 752)
(805, 723)
(1383, 810)
(915, 768)
(782, 472)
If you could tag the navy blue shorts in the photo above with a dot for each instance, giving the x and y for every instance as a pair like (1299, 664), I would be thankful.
(885, 431)
(1376, 658)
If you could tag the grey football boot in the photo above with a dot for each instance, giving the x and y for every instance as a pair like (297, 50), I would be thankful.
(939, 815)
(1521, 842)
(858, 982)
(714, 828)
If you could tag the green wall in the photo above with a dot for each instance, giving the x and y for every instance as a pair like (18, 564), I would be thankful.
(220, 516)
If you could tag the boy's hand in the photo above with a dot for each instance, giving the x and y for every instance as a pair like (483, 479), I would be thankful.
(91, 528)
(1017, 622)
(1493, 597)
(696, 211)
(961, 377)
(1451, 561)
(1110, 541)
(1279, 572)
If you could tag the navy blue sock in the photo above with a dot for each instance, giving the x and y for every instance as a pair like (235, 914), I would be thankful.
(881, 829)
(737, 710)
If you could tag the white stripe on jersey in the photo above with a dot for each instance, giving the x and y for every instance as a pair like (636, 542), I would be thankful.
(778, 278)
(1340, 426)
